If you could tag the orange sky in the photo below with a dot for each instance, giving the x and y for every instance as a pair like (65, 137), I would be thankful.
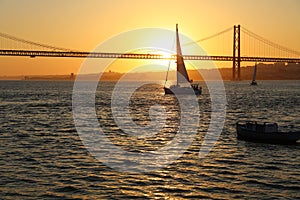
(83, 25)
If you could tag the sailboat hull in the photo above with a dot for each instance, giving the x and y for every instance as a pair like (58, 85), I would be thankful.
(253, 83)
(182, 91)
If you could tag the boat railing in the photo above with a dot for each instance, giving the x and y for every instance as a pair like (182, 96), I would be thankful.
(265, 127)
(270, 127)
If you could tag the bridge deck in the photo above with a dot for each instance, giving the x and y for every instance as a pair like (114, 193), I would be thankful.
(73, 54)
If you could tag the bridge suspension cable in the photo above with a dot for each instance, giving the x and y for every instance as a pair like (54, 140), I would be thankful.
(4, 35)
(209, 37)
(270, 43)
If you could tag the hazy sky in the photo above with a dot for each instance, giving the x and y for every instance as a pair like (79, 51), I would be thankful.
(83, 24)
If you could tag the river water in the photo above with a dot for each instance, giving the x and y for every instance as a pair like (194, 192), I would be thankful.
(43, 157)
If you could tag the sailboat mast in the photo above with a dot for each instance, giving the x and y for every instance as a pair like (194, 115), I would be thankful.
(182, 75)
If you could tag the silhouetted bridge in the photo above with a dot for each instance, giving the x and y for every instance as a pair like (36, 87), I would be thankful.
(290, 56)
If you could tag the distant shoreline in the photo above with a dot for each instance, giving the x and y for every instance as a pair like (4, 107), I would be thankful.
(277, 71)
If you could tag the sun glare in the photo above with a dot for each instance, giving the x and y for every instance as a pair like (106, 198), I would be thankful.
(166, 55)
(167, 61)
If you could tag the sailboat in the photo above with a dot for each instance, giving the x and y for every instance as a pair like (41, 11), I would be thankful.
(254, 75)
(183, 85)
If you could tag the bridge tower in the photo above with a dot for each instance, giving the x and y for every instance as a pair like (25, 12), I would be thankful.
(236, 68)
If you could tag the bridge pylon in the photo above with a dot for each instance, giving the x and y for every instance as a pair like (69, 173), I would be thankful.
(236, 68)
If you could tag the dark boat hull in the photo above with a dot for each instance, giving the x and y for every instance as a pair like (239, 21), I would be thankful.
(267, 137)
(253, 83)
(182, 90)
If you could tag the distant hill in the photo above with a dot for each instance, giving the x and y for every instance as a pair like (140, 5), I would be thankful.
(277, 71)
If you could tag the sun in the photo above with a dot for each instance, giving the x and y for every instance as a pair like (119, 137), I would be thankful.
(167, 60)
(166, 55)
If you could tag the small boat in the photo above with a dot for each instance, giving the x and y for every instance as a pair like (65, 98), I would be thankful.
(266, 132)
(254, 75)
(183, 85)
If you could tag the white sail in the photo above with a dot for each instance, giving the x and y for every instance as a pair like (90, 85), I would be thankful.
(254, 73)
(182, 75)
(183, 85)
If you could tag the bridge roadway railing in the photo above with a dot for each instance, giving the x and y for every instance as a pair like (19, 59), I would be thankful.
(75, 54)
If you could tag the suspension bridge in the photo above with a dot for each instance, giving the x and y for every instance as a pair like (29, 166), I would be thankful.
(265, 50)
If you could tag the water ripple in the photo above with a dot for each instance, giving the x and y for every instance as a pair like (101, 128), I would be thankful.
(42, 156)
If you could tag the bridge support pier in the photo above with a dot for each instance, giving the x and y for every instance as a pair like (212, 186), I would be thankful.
(236, 68)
